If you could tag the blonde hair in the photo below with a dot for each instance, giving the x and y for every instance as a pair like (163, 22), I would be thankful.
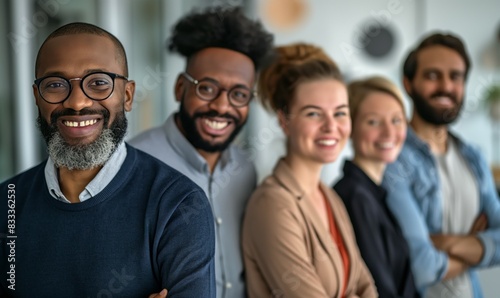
(294, 64)
(358, 90)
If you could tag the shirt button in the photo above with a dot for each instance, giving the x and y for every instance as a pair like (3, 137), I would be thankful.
(229, 285)
(219, 220)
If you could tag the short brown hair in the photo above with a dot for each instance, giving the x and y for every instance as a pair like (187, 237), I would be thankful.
(358, 90)
(437, 39)
(294, 64)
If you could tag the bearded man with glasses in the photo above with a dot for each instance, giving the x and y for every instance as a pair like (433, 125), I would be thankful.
(98, 217)
(224, 49)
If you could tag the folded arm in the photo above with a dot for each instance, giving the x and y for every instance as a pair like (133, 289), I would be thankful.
(429, 264)
(490, 205)
(186, 248)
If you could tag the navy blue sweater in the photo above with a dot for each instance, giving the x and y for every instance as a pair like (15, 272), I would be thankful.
(150, 228)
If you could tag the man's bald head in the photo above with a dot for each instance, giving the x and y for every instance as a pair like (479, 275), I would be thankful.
(85, 28)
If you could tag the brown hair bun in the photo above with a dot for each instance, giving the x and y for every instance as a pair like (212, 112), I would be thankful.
(294, 64)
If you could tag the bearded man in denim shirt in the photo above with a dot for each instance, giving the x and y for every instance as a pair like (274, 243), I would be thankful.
(441, 189)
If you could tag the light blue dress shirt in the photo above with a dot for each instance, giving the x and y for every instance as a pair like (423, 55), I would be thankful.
(100, 181)
(228, 188)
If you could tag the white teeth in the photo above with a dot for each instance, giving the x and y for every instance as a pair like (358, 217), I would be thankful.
(216, 124)
(327, 142)
(444, 99)
(386, 145)
(80, 124)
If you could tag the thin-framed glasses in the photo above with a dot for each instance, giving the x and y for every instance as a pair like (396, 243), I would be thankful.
(209, 90)
(96, 86)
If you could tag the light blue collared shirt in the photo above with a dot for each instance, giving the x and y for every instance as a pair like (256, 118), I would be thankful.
(100, 181)
(227, 188)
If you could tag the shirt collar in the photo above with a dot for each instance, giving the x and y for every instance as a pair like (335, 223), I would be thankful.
(100, 181)
(415, 141)
(184, 149)
(352, 170)
(285, 176)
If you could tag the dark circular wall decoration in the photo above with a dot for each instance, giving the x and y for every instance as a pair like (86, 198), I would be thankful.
(378, 39)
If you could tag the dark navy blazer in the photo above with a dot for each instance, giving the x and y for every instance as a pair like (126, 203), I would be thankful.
(380, 240)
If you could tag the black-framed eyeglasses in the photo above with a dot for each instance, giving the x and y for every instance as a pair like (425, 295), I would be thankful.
(209, 90)
(96, 86)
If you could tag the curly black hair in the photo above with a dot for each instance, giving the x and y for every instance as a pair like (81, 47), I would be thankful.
(223, 27)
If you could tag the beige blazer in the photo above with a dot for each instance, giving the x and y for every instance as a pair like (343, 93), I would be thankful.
(289, 253)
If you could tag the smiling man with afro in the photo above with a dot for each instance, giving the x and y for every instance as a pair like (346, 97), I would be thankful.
(224, 49)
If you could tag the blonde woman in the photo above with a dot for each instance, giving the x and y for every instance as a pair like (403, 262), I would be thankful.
(297, 238)
(378, 134)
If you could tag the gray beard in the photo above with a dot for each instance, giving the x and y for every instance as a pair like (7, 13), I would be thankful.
(81, 157)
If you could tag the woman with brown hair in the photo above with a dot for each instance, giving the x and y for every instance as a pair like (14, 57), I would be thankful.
(378, 134)
(297, 237)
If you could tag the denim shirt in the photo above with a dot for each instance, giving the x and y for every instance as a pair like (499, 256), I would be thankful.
(414, 197)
